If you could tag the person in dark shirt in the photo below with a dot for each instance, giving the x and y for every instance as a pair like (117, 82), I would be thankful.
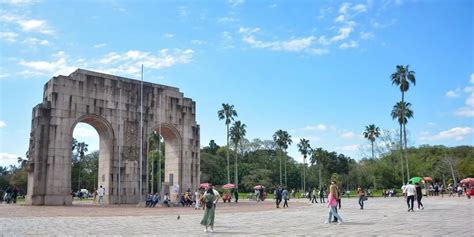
(419, 195)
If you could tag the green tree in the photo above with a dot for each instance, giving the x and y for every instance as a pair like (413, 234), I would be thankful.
(371, 133)
(317, 156)
(282, 140)
(81, 148)
(304, 148)
(237, 134)
(402, 112)
(228, 113)
(402, 78)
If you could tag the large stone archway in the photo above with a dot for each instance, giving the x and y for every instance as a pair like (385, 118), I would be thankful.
(111, 105)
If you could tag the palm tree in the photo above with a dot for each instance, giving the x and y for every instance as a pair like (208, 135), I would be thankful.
(228, 113)
(283, 140)
(402, 112)
(22, 162)
(317, 156)
(305, 149)
(402, 78)
(371, 133)
(237, 134)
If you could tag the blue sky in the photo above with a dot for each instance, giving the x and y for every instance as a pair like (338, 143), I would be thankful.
(318, 69)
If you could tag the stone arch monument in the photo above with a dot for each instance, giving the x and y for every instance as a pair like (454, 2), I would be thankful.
(111, 105)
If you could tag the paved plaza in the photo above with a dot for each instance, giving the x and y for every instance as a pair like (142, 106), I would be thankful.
(448, 216)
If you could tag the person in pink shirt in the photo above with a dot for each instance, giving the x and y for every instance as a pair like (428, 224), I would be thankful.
(332, 203)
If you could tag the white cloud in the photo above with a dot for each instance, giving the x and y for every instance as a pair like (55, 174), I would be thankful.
(226, 20)
(366, 35)
(465, 112)
(235, 3)
(84, 132)
(340, 18)
(2, 124)
(320, 127)
(431, 123)
(130, 62)
(101, 45)
(8, 36)
(323, 40)
(244, 30)
(469, 89)
(470, 100)
(168, 35)
(17, 2)
(28, 25)
(351, 44)
(344, 32)
(378, 25)
(58, 67)
(453, 93)
(291, 45)
(457, 133)
(344, 9)
(468, 110)
(471, 80)
(348, 135)
(360, 8)
(319, 51)
(198, 42)
(7, 159)
(35, 41)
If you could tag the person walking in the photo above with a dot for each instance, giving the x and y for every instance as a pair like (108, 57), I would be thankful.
(332, 204)
(313, 199)
(361, 194)
(101, 193)
(210, 201)
(419, 195)
(285, 196)
(411, 191)
(236, 195)
(278, 196)
(321, 195)
(197, 196)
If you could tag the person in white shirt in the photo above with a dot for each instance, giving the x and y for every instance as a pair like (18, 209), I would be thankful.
(411, 191)
(197, 197)
(101, 193)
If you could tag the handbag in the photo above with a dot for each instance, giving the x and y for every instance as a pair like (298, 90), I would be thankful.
(365, 198)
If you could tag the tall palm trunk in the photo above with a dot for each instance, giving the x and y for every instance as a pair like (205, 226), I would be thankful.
(236, 180)
(228, 163)
(280, 166)
(304, 174)
(406, 155)
(401, 132)
(372, 149)
(286, 184)
(401, 155)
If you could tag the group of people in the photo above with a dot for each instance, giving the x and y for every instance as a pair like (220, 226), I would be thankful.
(281, 194)
(315, 193)
(11, 195)
(412, 191)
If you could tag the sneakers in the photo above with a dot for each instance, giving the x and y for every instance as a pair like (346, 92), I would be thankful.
(326, 222)
(339, 222)
(212, 230)
(205, 230)
(422, 208)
